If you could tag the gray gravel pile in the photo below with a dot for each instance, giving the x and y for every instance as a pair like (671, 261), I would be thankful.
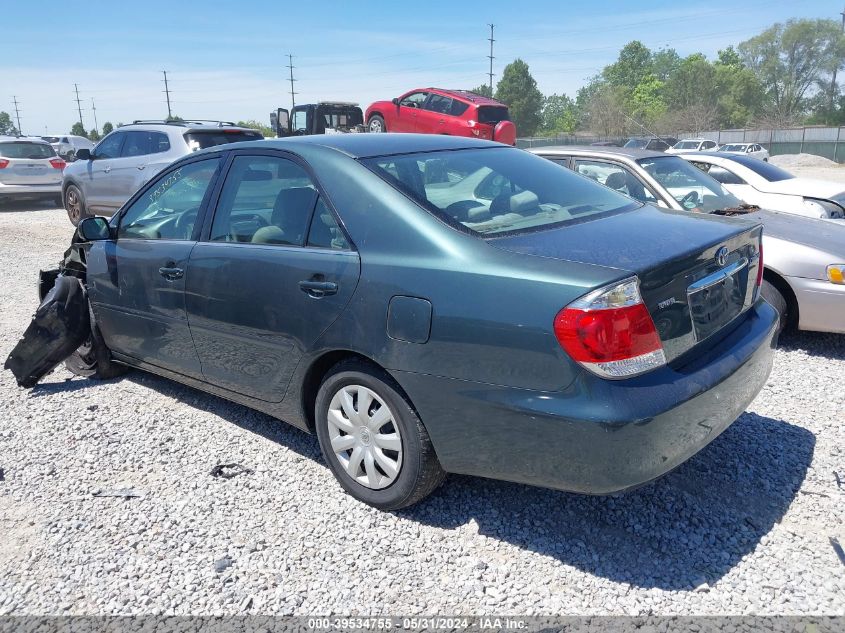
(801, 161)
(108, 505)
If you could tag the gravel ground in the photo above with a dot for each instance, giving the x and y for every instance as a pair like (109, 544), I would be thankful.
(810, 166)
(751, 525)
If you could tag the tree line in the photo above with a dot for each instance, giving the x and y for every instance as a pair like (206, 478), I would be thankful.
(784, 76)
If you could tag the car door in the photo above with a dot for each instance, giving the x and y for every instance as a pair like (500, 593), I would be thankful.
(125, 171)
(96, 180)
(405, 116)
(432, 117)
(136, 282)
(273, 272)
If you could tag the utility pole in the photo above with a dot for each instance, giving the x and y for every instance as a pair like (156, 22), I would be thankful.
(78, 105)
(17, 114)
(167, 93)
(490, 56)
(94, 111)
(290, 67)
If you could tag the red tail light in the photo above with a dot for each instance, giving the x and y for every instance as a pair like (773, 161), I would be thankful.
(58, 163)
(3, 163)
(610, 332)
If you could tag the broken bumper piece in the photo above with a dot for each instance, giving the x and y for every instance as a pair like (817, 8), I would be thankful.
(60, 325)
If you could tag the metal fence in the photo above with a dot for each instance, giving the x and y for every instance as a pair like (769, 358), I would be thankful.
(828, 142)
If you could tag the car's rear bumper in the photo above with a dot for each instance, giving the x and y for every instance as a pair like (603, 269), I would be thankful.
(821, 305)
(597, 436)
(30, 191)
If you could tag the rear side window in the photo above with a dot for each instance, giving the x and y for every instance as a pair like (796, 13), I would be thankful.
(458, 108)
(439, 103)
(325, 231)
(26, 150)
(493, 114)
(497, 191)
(137, 144)
(203, 139)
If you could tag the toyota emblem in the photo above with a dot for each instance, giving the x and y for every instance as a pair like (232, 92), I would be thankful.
(722, 256)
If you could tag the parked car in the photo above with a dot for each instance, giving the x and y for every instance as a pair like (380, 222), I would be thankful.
(754, 150)
(67, 145)
(770, 187)
(653, 143)
(102, 179)
(438, 111)
(804, 257)
(325, 117)
(692, 145)
(29, 168)
(425, 304)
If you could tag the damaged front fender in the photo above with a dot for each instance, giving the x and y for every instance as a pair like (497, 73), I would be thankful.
(60, 325)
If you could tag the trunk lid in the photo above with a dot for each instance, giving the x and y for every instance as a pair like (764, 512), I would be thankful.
(690, 291)
(28, 163)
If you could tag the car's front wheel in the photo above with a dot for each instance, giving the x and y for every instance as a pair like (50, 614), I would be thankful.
(75, 205)
(376, 124)
(372, 439)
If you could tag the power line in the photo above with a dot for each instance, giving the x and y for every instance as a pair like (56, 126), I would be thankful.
(167, 93)
(78, 105)
(17, 114)
(290, 66)
(94, 111)
(490, 56)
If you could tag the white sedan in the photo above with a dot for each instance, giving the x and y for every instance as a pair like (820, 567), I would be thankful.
(755, 150)
(770, 187)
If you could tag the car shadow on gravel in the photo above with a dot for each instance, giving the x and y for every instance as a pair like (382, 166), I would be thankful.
(686, 529)
(28, 205)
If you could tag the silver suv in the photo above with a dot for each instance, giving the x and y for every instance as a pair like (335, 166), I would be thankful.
(102, 179)
(67, 145)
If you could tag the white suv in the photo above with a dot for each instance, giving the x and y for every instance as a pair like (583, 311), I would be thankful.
(102, 179)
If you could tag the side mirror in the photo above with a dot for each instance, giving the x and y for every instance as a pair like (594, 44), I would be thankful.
(84, 154)
(94, 229)
(395, 101)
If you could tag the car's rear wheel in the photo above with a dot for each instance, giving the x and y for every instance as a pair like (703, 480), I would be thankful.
(93, 358)
(372, 439)
(75, 205)
(376, 124)
(776, 299)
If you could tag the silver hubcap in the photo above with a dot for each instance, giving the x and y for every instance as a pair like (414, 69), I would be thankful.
(365, 438)
(375, 126)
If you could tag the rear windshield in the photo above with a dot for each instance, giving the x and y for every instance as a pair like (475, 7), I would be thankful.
(763, 168)
(637, 143)
(734, 148)
(22, 149)
(201, 140)
(493, 114)
(497, 191)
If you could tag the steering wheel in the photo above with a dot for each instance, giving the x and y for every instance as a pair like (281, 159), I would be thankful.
(185, 223)
(692, 198)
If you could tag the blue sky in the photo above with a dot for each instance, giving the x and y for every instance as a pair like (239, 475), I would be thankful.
(226, 60)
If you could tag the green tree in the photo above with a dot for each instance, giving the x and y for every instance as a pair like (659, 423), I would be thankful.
(483, 90)
(789, 59)
(664, 63)
(6, 126)
(78, 129)
(602, 108)
(174, 117)
(560, 115)
(633, 65)
(518, 89)
(646, 102)
(729, 57)
(266, 130)
(94, 135)
(108, 128)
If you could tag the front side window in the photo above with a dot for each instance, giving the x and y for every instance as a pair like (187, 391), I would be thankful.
(414, 100)
(690, 187)
(168, 209)
(616, 177)
(720, 174)
(109, 147)
(498, 190)
(300, 121)
(265, 200)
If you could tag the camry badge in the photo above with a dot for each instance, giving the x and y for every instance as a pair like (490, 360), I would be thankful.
(722, 256)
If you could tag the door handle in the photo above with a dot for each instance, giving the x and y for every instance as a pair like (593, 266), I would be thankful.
(318, 289)
(107, 169)
(171, 273)
(141, 166)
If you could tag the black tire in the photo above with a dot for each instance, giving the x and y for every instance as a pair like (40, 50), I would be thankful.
(379, 124)
(420, 472)
(93, 358)
(776, 299)
(74, 203)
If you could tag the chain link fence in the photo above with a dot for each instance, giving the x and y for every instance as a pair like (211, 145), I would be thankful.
(828, 142)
